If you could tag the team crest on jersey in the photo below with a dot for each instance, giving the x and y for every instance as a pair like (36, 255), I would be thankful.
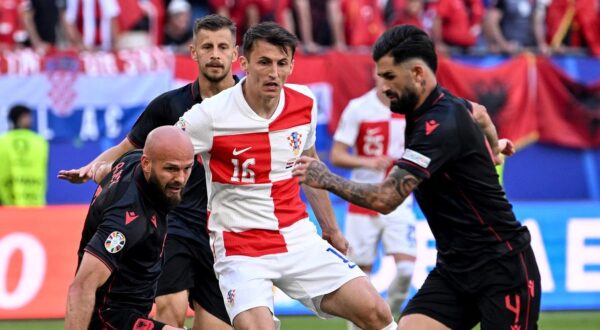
(231, 297)
(181, 123)
(295, 140)
(115, 242)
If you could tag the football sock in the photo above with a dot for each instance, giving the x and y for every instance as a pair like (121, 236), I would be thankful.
(398, 289)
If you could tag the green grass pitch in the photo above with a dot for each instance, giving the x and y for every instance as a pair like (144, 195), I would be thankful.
(588, 320)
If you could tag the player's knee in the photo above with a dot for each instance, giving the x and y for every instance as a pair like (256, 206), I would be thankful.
(375, 314)
(170, 313)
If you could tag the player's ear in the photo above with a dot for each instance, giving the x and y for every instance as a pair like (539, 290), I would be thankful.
(244, 64)
(236, 51)
(193, 52)
(292, 66)
(146, 164)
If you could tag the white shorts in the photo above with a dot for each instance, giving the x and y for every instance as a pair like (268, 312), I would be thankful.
(396, 230)
(309, 270)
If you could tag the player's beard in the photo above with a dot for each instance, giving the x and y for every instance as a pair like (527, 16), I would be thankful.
(215, 78)
(171, 199)
(405, 103)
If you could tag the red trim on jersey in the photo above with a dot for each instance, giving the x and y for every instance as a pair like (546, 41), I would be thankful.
(397, 115)
(438, 99)
(296, 111)
(104, 304)
(133, 143)
(99, 258)
(478, 216)
(241, 159)
(404, 161)
(529, 294)
(288, 207)
(254, 243)
(352, 208)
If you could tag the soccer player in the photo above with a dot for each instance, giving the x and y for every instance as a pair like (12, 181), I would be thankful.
(120, 253)
(188, 271)
(377, 136)
(486, 271)
(249, 137)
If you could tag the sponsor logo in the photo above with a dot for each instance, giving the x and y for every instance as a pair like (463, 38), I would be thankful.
(295, 141)
(115, 242)
(237, 152)
(416, 158)
(430, 126)
(130, 216)
(373, 131)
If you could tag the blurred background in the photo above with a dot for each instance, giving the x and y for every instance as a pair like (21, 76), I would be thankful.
(81, 71)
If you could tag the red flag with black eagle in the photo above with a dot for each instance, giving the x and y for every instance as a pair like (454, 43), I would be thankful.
(569, 110)
(507, 91)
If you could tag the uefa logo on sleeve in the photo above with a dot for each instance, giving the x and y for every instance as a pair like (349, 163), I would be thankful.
(115, 242)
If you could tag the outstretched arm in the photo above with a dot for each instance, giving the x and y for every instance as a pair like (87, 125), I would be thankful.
(383, 197)
(321, 205)
(499, 146)
(87, 172)
(82, 292)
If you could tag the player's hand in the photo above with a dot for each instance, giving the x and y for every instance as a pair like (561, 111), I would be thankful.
(337, 240)
(380, 163)
(80, 175)
(505, 148)
(311, 172)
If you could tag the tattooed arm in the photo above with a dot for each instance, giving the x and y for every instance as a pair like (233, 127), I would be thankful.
(383, 197)
(321, 205)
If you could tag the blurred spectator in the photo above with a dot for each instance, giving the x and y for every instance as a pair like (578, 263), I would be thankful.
(178, 30)
(92, 24)
(363, 22)
(512, 25)
(247, 13)
(410, 12)
(42, 20)
(457, 23)
(283, 15)
(574, 24)
(140, 23)
(24, 154)
(320, 23)
(11, 30)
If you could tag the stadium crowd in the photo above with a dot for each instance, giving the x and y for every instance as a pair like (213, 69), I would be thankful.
(456, 26)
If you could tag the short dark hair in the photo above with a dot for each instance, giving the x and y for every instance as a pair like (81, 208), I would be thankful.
(272, 33)
(404, 42)
(214, 22)
(16, 112)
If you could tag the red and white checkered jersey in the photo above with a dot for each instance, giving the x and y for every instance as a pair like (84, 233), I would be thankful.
(373, 130)
(248, 162)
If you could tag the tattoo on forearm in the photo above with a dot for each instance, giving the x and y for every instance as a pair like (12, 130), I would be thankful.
(380, 197)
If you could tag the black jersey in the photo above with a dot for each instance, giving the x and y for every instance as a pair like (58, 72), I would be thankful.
(465, 206)
(188, 219)
(125, 228)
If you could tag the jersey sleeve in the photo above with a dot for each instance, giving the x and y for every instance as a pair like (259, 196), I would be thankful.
(311, 139)
(347, 130)
(431, 145)
(197, 124)
(113, 238)
(150, 119)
